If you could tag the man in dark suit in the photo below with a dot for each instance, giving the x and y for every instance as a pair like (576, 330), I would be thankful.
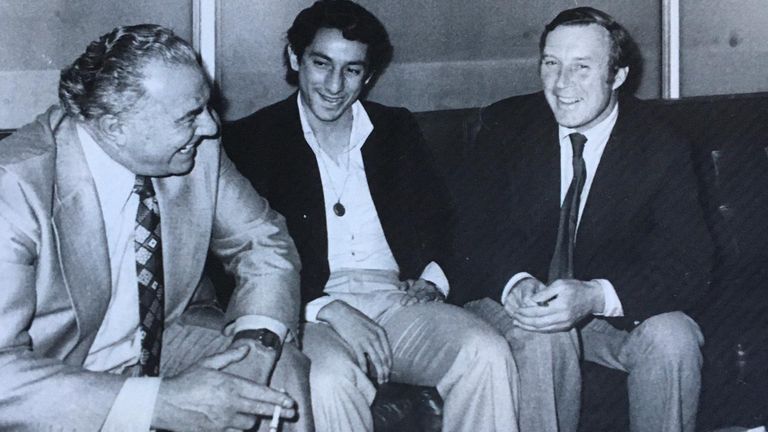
(369, 215)
(582, 219)
(109, 203)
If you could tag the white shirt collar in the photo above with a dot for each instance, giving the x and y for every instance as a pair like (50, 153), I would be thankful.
(361, 124)
(596, 133)
(114, 182)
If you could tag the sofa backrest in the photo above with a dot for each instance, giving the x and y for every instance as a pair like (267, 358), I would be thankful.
(729, 138)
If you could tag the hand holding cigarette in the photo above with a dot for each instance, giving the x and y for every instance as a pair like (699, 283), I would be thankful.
(275, 422)
(273, 425)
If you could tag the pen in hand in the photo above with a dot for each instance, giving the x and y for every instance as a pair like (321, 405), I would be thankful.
(546, 302)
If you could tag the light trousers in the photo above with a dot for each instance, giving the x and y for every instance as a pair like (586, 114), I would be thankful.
(186, 343)
(433, 344)
(662, 356)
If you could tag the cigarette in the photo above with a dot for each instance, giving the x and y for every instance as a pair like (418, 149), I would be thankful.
(546, 302)
(275, 419)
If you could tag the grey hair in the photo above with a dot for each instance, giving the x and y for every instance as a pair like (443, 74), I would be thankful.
(107, 78)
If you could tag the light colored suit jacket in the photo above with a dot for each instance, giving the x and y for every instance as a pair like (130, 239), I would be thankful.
(55, 274)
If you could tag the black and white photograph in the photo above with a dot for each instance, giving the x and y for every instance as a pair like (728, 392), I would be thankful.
(384, 215)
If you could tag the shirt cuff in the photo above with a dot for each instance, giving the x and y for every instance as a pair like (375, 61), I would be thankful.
(512, 282)
(435, 274)
(313, 308)
(613, 306)
(134, 406)
(254, 322)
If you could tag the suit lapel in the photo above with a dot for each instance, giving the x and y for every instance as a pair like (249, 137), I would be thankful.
(185, 228)
(540, 198)
(80, 235)
(611, 196)
(375, 160)
(302, 166)
(297, 186)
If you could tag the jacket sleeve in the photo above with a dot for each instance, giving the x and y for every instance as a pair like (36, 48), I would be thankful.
(253, 244)
(485, 257)
(433, 203)
(670, 268)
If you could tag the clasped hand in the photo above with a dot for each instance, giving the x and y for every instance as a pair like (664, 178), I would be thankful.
(558, 307)
(420, 291)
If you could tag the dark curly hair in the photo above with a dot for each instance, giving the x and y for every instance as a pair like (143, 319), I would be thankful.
(355, 24)
(107, 78)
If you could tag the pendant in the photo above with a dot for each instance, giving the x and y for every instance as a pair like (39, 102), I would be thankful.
(339, 209)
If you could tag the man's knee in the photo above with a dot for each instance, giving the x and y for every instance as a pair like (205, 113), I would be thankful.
(334, 369)
(292, 362)
(292, 375)
(485, 343)
(520, 341)
(671, 337)
(333, 361)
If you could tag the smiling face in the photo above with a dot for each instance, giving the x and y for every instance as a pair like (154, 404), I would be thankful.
(575, 75)
(332, 73)
(159, 136)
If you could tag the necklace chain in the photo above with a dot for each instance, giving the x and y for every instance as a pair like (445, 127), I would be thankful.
(338, 208)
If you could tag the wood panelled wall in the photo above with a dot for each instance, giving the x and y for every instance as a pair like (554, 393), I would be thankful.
(448, 53)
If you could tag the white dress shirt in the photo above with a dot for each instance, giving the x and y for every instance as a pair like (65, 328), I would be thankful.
(597, 139)
(356, 240)
(117, 344)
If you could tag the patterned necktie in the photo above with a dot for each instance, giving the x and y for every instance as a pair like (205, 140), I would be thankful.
(561, 266)
(149, 272)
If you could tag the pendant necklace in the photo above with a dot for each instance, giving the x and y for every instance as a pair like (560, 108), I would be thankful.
(338, 208)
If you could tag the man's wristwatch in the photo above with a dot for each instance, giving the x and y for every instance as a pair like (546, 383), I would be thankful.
(265, 337)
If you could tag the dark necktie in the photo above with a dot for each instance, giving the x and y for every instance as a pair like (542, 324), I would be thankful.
(561, 266)
(149, 272)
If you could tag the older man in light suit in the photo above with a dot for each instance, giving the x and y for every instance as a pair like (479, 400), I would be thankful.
(109, 204)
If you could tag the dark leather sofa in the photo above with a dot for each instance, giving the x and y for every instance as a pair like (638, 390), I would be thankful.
(729, 136)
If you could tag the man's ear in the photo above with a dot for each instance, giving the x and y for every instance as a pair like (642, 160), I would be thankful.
(620, 77)
(370, 77)
(293, 59)
(111, 128)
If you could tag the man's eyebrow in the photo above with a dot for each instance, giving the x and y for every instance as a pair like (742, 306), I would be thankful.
(329, 59)
(319, 54)
(193, 113)
(581, 58)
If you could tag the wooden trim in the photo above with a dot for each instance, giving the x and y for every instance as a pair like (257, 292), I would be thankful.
(204, 15)
(670, 49)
